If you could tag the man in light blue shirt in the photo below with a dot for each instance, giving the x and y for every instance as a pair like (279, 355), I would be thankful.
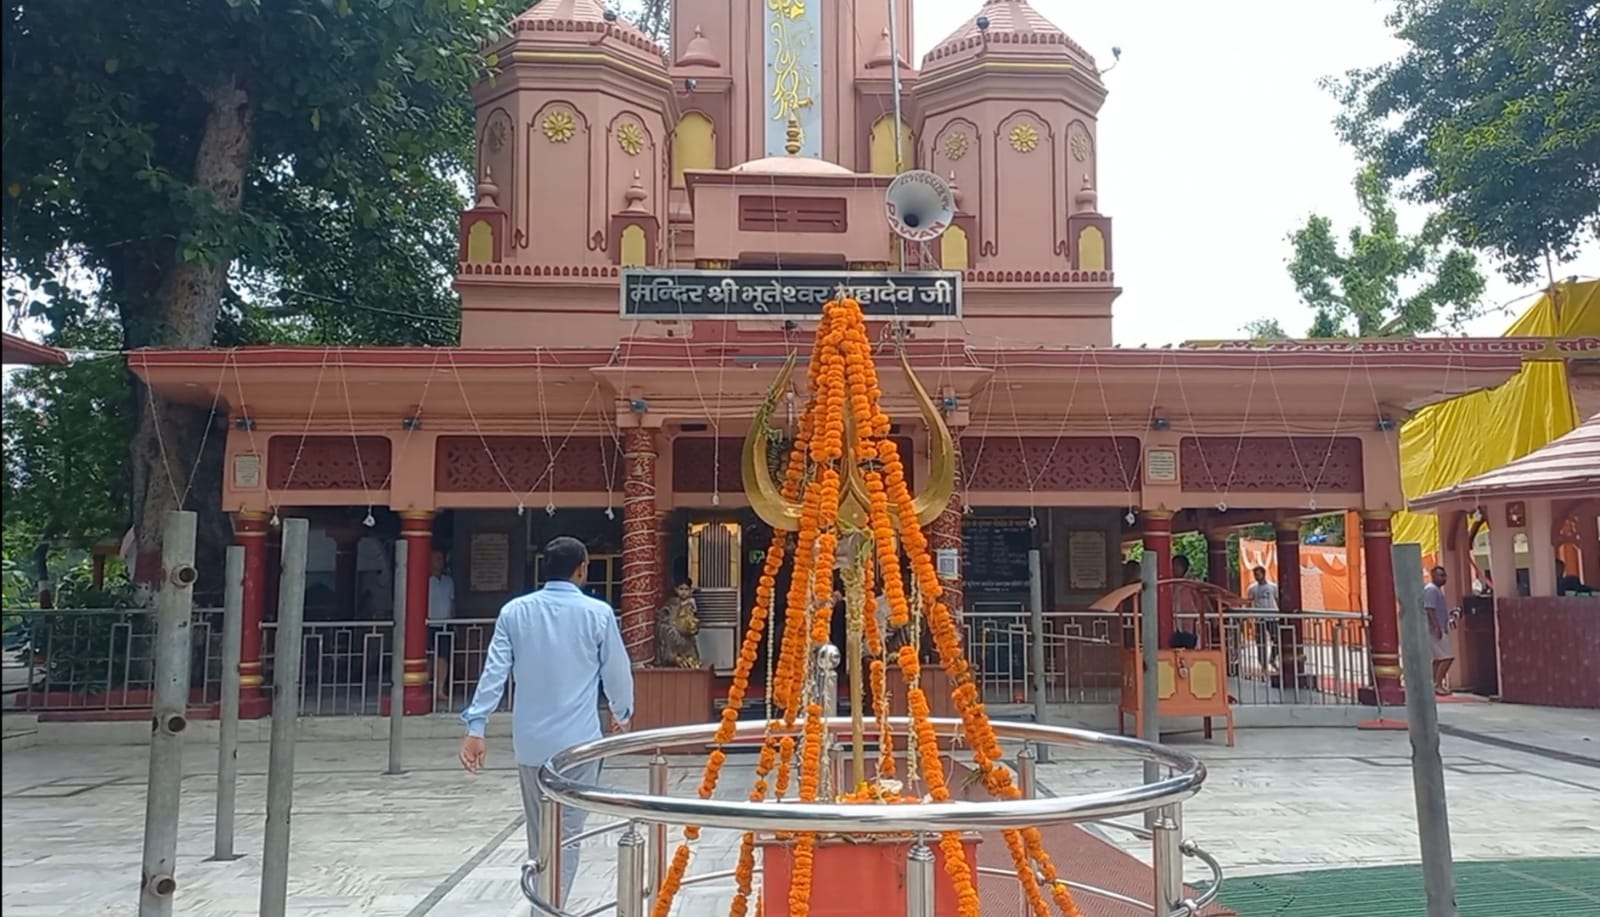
(559, 645)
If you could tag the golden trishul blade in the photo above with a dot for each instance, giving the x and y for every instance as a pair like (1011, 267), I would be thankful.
(767, 499)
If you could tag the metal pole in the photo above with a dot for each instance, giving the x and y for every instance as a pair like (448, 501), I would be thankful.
(1167, 860)
(285, 717)
(1027, 776)
(894, 85)
(658, 832)
(173, 641)
(228, 728)
(1422, 717)
(550, 851)
(397, 661)
(1036, 648)
(630, 872)
(1150, 702)
(919, 881)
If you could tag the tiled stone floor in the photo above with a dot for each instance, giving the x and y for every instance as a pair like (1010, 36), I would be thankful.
(438, 842)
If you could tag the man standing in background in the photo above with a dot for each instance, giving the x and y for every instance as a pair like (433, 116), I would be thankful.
(1440, 622)
(559, 645)
(1263, 596)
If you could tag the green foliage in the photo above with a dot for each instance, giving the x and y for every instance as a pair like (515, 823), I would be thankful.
(1265, 329)
(1382, 281)
(65, 445)
(220, 173)
(1492, 114)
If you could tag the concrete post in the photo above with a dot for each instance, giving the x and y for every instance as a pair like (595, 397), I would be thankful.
(228, 726)
(174, 603)
(285, 716)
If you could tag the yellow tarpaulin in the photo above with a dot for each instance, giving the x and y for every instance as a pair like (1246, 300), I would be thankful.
(1446, 443)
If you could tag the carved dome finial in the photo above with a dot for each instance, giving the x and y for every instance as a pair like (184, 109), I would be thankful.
(791, 136)
(1086, 199)
(488, 190)
(884, 55)
(635, 196)
(698, 52)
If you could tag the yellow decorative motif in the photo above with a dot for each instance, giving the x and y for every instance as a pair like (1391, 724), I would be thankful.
(630, 138)
(955, 145)
(1024, 138)
(558, 127)
(791, 79)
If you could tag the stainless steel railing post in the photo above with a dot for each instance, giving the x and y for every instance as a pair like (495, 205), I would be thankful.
(658, 831)
(919, 881)
(550, 853)
(630, 872)
(1167, 859)
(1027, 773)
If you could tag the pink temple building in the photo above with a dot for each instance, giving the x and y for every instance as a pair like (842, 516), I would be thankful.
(650, 234)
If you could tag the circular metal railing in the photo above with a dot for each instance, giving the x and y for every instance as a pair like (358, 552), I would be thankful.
(1186, 775)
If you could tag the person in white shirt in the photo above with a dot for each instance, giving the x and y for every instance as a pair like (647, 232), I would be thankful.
(1263, 596)
(560, 648)
(1441, 620)
(441, 608)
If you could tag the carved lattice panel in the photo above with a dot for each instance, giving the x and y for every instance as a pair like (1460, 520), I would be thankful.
(1310, 464)
(328, 462)
(472, 464)
(701, 466)
(1082, 463)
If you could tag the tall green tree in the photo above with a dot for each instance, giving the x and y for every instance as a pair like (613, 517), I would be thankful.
(1491, 115)
(1382, 280)
(201, 159)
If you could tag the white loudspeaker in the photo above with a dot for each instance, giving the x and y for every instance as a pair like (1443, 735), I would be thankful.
(919, 206)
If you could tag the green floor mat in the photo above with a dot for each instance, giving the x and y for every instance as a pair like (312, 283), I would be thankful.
(1508, 888)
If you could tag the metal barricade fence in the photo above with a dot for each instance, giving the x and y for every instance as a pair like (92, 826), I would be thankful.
(98, 659)
(1084, 651)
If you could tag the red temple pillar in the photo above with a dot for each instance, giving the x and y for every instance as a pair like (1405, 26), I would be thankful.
(641, 544)
(416, 527)
(250, 533)
(945, 536)
(1158, 539)
(1383, 633)
(1291, 657)
(274, 573)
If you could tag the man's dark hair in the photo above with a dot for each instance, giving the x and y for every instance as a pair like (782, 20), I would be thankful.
(563, 557)
(683, 581)
(1180, 560)
(1259, 569)
(1439, 570)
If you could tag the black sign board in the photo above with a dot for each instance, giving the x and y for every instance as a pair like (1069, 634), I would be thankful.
(995, 562)
(671, 294)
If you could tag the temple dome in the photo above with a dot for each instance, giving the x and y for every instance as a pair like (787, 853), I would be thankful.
(573, 24)
(790, 165)
(1009, 28)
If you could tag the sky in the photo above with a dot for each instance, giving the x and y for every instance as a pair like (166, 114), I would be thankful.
(1215, 128)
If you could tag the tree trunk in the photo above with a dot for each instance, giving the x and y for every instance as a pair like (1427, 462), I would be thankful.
(176, 450)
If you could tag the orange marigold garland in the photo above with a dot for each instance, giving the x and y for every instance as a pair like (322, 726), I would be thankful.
(845, 395)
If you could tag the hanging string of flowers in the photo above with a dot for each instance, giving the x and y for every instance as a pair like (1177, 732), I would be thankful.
(843, 445)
